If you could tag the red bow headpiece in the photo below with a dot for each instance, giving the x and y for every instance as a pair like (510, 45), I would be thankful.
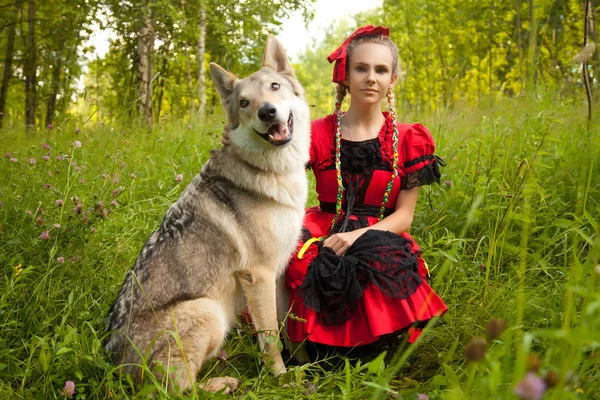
(340, 54)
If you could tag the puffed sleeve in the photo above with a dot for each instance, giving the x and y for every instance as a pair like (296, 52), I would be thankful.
(419, 165)
(321, 143)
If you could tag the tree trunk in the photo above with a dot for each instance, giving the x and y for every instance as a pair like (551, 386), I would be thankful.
(188, 65)
(8, 61)
(145, 73)
(29, 69)
(51, 106)
(201, 51)
(519, 45)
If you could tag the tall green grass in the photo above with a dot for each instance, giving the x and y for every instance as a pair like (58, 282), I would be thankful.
(511, 234)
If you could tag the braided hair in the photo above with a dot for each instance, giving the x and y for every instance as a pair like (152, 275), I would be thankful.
(339, 98)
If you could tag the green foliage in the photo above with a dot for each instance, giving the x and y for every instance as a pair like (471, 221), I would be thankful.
(511, 233)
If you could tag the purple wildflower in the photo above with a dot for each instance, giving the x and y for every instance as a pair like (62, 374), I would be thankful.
(45, 235)
(46, 158)
(60, 260)
(114, 203)
(32, 161)
(77, 208)
(45, 146)
(77, 144)
(448, 184)
(47, 185)
(422, 396)
(50, 126)
(59, 157)
(69, 389)
(115, 192)
(77, 130)
(59, 202)
(532, 387)
(7, 154)
(179, 177)
(12, 159)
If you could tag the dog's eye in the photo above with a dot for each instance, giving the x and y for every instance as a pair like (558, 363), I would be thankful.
(274, 86)
(244, 103)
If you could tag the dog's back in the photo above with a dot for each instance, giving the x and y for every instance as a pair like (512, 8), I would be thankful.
(226, 238)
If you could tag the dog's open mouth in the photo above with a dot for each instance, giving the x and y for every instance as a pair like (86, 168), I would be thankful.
(280, 133)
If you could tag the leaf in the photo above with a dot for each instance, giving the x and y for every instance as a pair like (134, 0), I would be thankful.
(63, 350)
(451, 375)
(147, 390)
(377, 366)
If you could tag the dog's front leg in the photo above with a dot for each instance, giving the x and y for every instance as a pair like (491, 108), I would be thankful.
(259, 287)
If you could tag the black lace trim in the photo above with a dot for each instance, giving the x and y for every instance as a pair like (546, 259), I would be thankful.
(334, 285)
(423, 176)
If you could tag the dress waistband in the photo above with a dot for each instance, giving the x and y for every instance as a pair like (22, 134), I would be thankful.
(357, 209)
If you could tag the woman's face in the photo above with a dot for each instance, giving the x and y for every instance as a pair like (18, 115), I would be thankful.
(370, 73)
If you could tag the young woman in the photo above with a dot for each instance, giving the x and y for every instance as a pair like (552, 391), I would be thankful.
(358, 274)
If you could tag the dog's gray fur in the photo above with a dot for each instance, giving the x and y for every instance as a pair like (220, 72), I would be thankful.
(225, 241)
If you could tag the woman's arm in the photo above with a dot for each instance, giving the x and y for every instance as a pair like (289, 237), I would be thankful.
(398, 222)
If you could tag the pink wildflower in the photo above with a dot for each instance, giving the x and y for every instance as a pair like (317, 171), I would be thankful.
(47, 185)
(114, 203)
(77, 130)
(1, 204)
(45, 235)
(28, 212)
(69, 389)
(179, 178)
(77, 208)
(82, 181)
(50, 126)
(46, 158)
(74, 259)
(45, 146)
(115, 192)
(57, 226)
(77, 144)
(60, 260)
(32, 161)
(50, 173)
(448, 184)
(7, 154)
(93, 229)
(12, 159)
(532, 387)
(105, 213)
(422, 396)
(105, 176)
(133, 176)
(59, 157)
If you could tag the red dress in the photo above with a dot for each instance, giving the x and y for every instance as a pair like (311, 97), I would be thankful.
(379, 285)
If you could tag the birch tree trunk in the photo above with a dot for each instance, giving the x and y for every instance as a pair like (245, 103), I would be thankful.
(10, 42)
(145, 71)
(29, 68)
(201, 51)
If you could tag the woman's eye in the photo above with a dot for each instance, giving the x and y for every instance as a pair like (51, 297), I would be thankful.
(244, 103)
(274, 86)
(360, 69)
(381, 71)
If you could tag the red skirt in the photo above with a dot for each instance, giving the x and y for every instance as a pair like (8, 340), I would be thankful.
(374, 315)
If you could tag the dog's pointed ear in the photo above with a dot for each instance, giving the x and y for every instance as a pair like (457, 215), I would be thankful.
(224, 80)
(276, 58)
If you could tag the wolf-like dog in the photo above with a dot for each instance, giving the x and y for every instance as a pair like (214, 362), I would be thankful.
(223, 244)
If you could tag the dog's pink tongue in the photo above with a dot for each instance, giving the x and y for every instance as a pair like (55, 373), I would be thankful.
(279, 132)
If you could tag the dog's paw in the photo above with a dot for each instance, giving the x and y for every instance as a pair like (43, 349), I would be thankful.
(217, 384)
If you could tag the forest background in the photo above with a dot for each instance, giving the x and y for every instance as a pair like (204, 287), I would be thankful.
(96, 148)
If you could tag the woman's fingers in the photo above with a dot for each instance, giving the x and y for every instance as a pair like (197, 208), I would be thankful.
(226, 136)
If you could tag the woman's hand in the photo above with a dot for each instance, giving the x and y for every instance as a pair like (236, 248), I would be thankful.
(226, 136)
(340, 242)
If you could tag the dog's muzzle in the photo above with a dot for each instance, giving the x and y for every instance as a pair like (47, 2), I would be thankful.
(280, 133)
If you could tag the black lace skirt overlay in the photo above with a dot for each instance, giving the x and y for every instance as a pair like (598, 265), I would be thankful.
(334, 285)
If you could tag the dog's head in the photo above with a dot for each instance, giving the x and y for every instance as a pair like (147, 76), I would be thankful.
(265, 106)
